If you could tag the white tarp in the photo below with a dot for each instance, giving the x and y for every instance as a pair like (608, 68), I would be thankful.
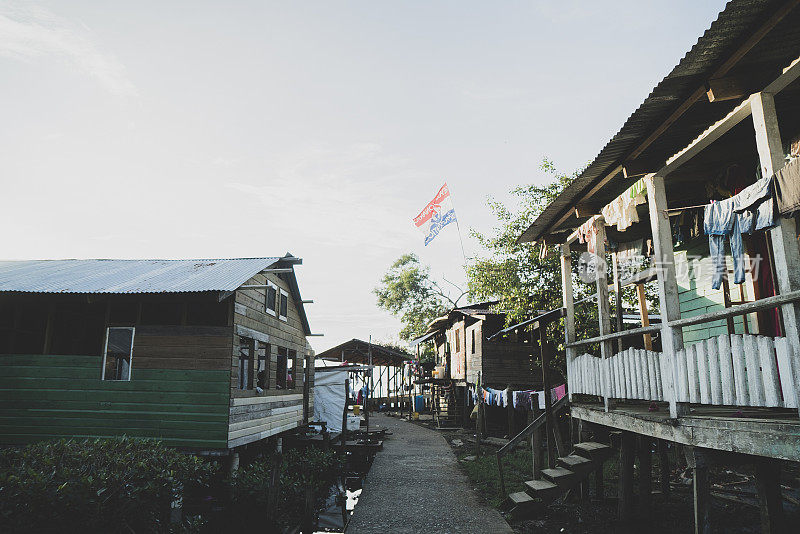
(329, 398)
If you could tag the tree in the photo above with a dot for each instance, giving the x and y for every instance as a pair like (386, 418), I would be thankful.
(524, 281)
(515, 273)
(408, 291)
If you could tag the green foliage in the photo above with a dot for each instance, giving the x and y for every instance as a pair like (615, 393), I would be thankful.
(102, 485)
(299, 469)
(407, 290)
(515, 274)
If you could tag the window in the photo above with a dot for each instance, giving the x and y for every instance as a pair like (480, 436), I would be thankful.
(282, 370)
(291, 376)
(284, 310)
(271, 299)
(246, 352)
(472, 333)
(458, 340)
(264, 352)
(118, 353)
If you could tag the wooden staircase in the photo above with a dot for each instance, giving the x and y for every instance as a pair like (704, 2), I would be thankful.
(447, 414)
(569, 472)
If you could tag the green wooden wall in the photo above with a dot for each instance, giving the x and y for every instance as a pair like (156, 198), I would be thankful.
(694, 268)
(47, 396)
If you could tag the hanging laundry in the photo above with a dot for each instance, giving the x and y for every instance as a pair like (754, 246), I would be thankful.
(720, 222)
(587, 233)
(786, 187)
(755, 206)
(621, 212)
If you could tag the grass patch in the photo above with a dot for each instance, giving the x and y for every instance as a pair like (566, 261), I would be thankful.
(483, 474)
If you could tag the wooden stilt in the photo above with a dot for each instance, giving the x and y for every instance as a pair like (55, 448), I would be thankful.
(768, 480)
(599, 491)
(536, 444)
(663, 456)
(645, 476)
(696, 459)
(627, 452)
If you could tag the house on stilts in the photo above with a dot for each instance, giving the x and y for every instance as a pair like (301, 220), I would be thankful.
(707, 172)
(205, 355)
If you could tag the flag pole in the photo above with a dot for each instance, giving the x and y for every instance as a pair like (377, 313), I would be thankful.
(458, 226)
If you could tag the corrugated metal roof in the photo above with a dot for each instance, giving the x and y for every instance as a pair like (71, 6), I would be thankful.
(759, 66)
(129, 276)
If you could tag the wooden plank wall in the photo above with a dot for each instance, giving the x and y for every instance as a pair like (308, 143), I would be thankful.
(254, 416)
(508, 363)
(474, 359)
(694, 269)
(51, 396)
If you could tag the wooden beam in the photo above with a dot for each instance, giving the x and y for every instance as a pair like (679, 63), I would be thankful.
(785, 250)
(712, 133)
(615, 335)
(617, 297)
(671, 336)
(584, 209)
(729, 88)
(644, 315)
(603, 308)
(701, 490)
(569, 307)
(723, 69)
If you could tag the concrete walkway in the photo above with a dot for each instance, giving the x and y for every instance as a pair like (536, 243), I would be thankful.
(415, 485)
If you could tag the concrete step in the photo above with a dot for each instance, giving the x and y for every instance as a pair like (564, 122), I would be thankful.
(519, 505)
(593, 450)
(577, 464)
(542, 489)
(560, 476)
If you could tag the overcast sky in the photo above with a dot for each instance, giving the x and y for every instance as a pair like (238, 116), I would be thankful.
(240, 129)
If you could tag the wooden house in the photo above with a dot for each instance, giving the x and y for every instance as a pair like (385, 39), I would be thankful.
(724, 381)
(201, 354)
(471, 342)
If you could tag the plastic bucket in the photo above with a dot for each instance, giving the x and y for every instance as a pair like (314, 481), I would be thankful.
(356, 409)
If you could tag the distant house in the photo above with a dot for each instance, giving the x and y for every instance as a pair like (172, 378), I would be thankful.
(202, 354)
(470, 342)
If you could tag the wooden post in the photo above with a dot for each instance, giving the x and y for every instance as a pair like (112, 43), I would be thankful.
(553, 433)
(627, 452)
(344, 414)
(569, 317)
(536, 442)
(645, 476)
(273, 488)
(671, 337)
(768, 482)
(644, 315)
(479, 419)
(510, 411)
(663, 456)
(696, 460)
(599, 490)
(785, 250)
(603, 309)
(617, 296)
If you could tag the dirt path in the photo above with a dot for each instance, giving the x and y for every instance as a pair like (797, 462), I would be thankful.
(415, 485)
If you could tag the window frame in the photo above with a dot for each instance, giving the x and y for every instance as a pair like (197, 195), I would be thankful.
(282, 353)
(267, 309)
(291, 354)
(283, 294)
(249, 383)
(130, 355)
(473, 340)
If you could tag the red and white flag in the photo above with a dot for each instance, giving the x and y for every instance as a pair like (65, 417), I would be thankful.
(437, 214)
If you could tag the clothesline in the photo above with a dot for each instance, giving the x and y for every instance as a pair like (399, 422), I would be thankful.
(669, 210)
(520, 400)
